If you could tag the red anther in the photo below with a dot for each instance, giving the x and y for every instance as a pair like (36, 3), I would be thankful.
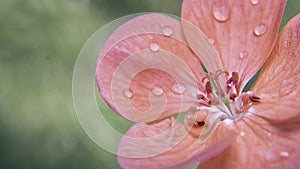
(233, 96)
(200, 97)
(200, 123)
(229, 81)
(208, 87)
(235, 77)
(228, 87)
(255, 99)
(209, 102)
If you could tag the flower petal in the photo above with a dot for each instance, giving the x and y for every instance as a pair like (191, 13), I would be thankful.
(243, 32)
(261, 144)
(270, 132)
(279, 82)
(145, 71)
(166, 144)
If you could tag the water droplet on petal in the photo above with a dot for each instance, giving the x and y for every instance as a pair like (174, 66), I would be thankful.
(268, 134)
(178, 89)
(242, 134)
(260, 29)
(211, 41)
(284, 154)
(167, 31)
(243, 54)
(254, 2)
(157, 91)
(221, 11)
(127, 93)
(154, 47)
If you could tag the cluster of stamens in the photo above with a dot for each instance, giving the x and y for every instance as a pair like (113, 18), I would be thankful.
(222, 99)
(216, 94)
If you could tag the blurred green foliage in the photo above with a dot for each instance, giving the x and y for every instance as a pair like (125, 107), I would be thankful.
(39, 43)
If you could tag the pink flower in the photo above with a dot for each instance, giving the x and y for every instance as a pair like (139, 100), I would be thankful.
(149, 70)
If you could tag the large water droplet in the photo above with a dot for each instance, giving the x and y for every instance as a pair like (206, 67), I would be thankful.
(273, 156)
(254, 2)
(178, 88)
(268, 134)
(243, 54)
(243, 134)
(284, 154)
(167, 31)
(127, 93)
(221, 11)
(157, 91)
(154, 47)
(211, 41)
(260, 29)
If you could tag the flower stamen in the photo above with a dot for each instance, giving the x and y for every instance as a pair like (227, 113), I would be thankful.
(218, 105)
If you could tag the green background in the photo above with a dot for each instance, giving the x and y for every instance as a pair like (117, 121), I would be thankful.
(39, 43)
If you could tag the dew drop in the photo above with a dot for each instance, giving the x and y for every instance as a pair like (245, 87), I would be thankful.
(242, 134)
(157, 91)
(154, 47)
(127, 93)
(284, 154)
(178, 88)
(268, 134)
(243, 54)
(167, 31)
(221, 11)
(260, 29)
(254, 2)
(211, 41)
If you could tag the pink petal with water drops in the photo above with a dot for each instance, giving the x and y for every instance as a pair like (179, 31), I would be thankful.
(243, 32)
(279, 82)
(167, 144)
(260, 145)
(150, 73)
(272, 126)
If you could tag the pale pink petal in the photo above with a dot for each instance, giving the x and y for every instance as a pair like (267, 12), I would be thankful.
(243, 32)
(279, 82)
(144, 73)
(261, 144)
(269, 134)
(166, 144)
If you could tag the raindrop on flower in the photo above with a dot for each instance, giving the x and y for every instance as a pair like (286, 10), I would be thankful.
(154, 47)
(178, 89)
(167, 31)
(284, 154)
(221, 11)
(254, 2)
(260, 29)
(211, 41)
(127, 93)
(157, 91)
(242, 134)
(243, 54)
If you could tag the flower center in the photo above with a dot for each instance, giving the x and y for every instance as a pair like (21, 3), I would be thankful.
(222, 100)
